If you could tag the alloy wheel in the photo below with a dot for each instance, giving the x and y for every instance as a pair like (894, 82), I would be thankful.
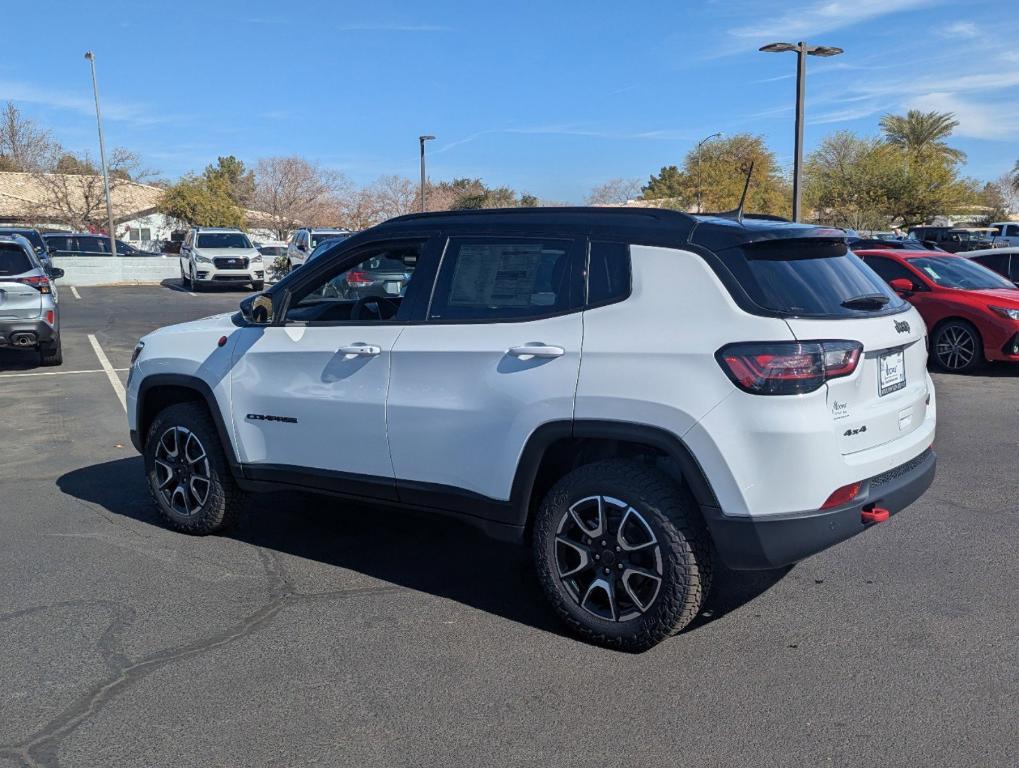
(956, 348)
(183, 476)
(608, 558)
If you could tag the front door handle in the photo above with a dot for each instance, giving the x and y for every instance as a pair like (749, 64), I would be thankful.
(364, 350)
(536, 350)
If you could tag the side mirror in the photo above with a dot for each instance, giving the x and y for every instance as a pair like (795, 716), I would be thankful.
(55, 273)
(902, 285)
(258, 309)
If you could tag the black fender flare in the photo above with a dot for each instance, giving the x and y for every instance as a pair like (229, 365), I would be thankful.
(204, 391)
(645, 434)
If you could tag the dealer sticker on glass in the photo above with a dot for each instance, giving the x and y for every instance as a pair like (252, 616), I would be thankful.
(891, 372)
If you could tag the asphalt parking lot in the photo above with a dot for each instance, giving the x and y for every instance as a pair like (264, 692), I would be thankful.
(321, 633)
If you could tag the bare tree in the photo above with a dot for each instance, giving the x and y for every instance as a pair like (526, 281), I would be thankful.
(295, 191)
(72, 186)
(615, 192)
(395, 196)
(23, 146)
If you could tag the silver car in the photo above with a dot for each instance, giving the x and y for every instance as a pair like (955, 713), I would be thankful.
(29, 311)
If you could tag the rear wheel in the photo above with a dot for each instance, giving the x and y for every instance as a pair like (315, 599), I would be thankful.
(957, 347)
(51, 353)
(187, 471)
(622, 554)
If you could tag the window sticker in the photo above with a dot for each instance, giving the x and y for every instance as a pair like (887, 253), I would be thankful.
(495, 275)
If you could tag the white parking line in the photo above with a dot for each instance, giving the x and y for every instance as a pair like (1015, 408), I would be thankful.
(111, 372)
(52, 373)
(74, 292)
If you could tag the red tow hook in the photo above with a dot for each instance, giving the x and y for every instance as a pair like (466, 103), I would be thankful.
(873, 514)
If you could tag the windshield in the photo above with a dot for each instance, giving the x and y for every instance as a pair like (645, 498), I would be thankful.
(317, 238)
(955, 272)
(969, 237)
(810, 278)
(222, 240)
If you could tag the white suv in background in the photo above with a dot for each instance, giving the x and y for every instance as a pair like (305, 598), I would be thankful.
(306, 240)
(219, 256)
(629, 391)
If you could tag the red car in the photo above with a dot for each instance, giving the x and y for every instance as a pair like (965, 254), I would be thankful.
(972, 313)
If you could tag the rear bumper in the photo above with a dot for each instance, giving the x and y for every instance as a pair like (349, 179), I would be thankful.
(42, 330)
(748, 543)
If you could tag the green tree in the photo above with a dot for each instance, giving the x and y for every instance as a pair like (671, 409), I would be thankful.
(201, 201)
(923, 133)
(239, 181)
(715, 175)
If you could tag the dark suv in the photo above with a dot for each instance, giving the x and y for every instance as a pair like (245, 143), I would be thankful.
(42, 251)
(87, 244)
(954, 239)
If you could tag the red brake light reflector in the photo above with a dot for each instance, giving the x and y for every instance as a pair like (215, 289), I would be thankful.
(842, 495)
(40, 283)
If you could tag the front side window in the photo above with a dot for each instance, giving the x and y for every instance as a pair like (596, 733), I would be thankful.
(504, 279)
(59, 242)
(223, 240)
(371, 291)
(957, 272)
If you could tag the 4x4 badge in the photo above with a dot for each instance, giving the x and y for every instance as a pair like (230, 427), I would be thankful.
(901, 326)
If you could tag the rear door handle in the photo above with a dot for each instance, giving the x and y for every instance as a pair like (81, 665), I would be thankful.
(365, 350)
(536, 350)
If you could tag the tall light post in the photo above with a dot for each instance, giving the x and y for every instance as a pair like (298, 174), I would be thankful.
(422, 140)
(701, 143)
(802, 51)
(102, 155)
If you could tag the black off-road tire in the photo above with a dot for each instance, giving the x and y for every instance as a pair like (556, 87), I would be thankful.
(225, 499)
(957, 330)
(185, 279)
(51, 354)
(672, 514)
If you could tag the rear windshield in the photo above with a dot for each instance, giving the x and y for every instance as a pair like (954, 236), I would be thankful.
(810, 278)
(29, 234)
(222, 240)
(956, 272)
(13, 260)
(272, 250)
(321, 237)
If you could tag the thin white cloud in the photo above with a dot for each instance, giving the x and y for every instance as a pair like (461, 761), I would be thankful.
(134, 114)
(966, 29)
(978, 120)
(799, 23)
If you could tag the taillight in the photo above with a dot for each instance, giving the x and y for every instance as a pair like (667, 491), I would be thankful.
(357, 279)
(40, 283)
(787, 367)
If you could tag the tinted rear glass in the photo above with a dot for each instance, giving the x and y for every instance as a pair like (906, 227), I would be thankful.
(272, 250)
(808, 278)
(13, 260)
(222, 240)
(321, 237)
(29, 234)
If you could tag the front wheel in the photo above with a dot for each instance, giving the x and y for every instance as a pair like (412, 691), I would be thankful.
(195, 284)
(187, 471)
(622, 554)
(185, 279)
(957, 347)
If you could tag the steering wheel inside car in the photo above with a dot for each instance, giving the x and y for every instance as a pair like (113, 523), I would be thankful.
(374, 308)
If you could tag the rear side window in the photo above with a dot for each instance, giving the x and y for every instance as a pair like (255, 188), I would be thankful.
(57, 241)
(809, 278)
(13, 260)
(996, 261)
(888, 269)
(505, 279)
(608, 273)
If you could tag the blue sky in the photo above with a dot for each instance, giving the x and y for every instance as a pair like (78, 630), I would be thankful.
(550, 98)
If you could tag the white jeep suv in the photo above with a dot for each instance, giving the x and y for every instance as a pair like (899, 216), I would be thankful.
(218, 256)
(630, 392)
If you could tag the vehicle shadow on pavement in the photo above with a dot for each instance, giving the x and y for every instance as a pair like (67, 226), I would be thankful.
(15, 360)
(427, 553)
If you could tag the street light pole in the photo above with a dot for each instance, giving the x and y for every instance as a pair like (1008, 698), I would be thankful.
(102, 156)
(705, 140)
(422, 140)
(802, 51)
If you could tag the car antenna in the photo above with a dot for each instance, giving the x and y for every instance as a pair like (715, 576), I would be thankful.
(737, 212)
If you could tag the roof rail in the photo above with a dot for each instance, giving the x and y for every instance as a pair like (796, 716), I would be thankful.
(656, 213)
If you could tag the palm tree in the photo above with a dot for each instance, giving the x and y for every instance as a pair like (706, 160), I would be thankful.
(922, 133)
